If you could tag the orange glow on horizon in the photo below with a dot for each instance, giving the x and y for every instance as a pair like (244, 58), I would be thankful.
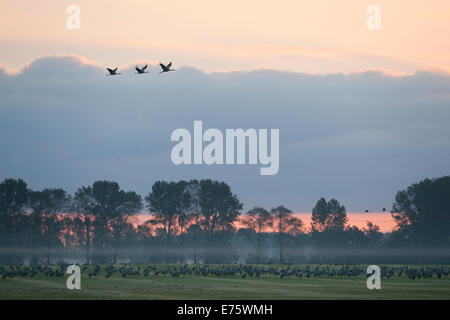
(359, 219)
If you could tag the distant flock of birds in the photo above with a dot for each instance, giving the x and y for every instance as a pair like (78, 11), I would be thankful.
(165, 68)
(382, 210)
(241, 270)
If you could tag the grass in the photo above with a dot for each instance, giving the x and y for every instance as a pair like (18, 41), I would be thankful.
(228, 287)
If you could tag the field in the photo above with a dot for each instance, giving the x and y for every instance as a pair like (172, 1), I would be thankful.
(191, 286)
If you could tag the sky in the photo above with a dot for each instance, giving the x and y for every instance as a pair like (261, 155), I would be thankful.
(384, 221)
(358, 138)
(362, 113)
(320, 36)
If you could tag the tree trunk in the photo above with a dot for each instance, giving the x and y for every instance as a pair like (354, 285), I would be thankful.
(4, 242)
(280, 240)
(48, 252)
(181, 247)
(280, 235)
(33, 255)
(258, 249)
(34, 239)
(166, 246)
(88, 240)
(115, 254)
(195, 246)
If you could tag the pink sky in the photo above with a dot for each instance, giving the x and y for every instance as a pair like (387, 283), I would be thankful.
(303, 36)
(382, 219)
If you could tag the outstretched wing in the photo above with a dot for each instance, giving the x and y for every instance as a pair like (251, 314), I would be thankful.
(143, 68)
(169, 65)
(115, 69)
(138, 70)
(163, 67)
(110, 70)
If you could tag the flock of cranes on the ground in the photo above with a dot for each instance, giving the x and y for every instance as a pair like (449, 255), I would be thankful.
(165, 68)
(241, 270)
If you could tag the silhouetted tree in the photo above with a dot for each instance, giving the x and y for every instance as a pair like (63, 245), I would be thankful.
(258, 220)
(47, 206)
(373, 233)
(422, 212)
(328, 216)
(37, 203)
(13, 198)
(85, 206)
(328, 222)
(145, 230)
(167, 201)
(130, 204)
(107, 207)
(204, 213)
(219, 209)
(286, 223)
(354, 236)
(194, 212)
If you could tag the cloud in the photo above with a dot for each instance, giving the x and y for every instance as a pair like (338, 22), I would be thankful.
(357, 137)
(60, 66)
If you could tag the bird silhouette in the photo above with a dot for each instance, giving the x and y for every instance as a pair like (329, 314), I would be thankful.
(141, 70)
(112, 72)
(166, 68)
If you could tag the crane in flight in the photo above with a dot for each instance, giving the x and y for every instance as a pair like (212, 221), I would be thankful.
(112, 72)
(166, 68)
(142, 70)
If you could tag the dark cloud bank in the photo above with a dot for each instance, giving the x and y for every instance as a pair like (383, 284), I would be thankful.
(357, 137)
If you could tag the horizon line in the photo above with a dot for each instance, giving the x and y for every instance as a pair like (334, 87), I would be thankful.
(86, 62)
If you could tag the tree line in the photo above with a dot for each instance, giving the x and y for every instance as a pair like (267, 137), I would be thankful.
(202, 221)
